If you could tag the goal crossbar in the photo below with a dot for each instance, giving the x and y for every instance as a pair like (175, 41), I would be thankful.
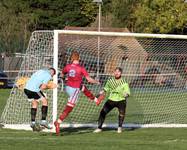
(120, 34)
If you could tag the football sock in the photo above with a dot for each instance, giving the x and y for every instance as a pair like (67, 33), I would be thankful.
(88, 93)
(65, 113)
(101, 118)
(121, 119)
(44, 112)
(33, 114)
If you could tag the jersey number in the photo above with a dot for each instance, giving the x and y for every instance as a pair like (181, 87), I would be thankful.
(72, 73)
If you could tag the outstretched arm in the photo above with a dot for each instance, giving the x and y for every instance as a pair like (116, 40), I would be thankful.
(91, 80)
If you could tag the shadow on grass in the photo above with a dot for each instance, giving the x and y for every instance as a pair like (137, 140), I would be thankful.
(84, 130)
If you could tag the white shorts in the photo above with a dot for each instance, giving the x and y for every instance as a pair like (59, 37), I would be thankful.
(73, 94)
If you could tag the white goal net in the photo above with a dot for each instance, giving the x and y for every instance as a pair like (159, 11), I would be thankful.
(155, 66)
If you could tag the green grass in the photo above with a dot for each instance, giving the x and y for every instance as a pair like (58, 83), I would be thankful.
(84, 139)
(4, 94)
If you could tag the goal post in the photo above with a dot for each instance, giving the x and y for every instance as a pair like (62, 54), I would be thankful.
(154, 65)
(55, 65)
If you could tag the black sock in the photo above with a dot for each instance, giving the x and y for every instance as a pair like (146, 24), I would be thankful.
(121, 119)
(44, 112)
(101, 119)
(33, 114)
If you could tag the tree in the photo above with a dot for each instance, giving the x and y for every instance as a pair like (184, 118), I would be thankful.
(117, 13)
(160, 16)
(14, 27)
(21, 17)
(151, 16)
(122, 10)
(56, 14)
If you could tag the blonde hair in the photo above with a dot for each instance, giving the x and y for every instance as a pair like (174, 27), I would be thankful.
(74, 56)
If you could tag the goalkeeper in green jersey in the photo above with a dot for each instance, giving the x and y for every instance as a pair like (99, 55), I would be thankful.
(118, 90)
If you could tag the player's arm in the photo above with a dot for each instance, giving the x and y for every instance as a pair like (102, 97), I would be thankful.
(64, 73)
(91, 80)
(47, 84)
(43, 87)
(126, 90)
(88, 78)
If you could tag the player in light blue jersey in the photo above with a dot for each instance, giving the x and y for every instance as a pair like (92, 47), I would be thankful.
(33, 90)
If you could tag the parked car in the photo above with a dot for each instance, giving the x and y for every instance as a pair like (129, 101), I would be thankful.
(3, 80)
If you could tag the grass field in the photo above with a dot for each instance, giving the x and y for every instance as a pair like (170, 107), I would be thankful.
(84, 139)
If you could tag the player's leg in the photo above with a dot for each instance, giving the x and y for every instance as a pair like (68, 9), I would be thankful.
(108, 106)
(73, 94)
(122, 109)
(44, 110)
(32, 97)
(72, 100)
(97, 99)
(34, 112)
(87, 92)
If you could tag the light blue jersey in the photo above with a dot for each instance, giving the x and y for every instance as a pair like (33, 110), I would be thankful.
(38, 78)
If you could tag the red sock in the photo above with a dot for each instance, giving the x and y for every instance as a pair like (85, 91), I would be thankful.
(65, 113)
(88, 93)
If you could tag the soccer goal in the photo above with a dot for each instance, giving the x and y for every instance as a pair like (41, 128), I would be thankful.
(154, 65)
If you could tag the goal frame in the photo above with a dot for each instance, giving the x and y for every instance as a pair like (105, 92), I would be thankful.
(100, 34)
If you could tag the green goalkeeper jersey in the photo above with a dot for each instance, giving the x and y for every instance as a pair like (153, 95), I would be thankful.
(117, 89)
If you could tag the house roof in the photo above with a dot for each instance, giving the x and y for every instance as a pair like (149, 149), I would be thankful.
(113, 46)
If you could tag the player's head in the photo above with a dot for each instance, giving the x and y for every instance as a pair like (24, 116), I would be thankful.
(52, 71)
(117, 72)
(75, 56)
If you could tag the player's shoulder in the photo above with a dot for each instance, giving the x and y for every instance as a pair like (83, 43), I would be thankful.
(110, 79)
(82, 66)
(66, 66)
(79, 66)
(44, 72)
(72, 65)
(123, 79)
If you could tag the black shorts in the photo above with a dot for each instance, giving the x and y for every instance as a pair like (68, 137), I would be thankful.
(33, 95)
(109, 105)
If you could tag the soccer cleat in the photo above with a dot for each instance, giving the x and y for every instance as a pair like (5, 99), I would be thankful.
(35, 127)
(97, 130)
(57, 126)
(44, 124)
(119, 130)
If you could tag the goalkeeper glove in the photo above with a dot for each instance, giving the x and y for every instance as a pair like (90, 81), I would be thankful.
(21, 82)
(51, 85)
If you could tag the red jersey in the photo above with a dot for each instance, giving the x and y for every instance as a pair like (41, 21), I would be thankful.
(75, 73)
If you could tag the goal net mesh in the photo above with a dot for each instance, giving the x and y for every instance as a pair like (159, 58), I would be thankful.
(155, 68)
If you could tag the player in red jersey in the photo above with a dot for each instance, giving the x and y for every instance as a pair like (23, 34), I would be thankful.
(75, 73)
